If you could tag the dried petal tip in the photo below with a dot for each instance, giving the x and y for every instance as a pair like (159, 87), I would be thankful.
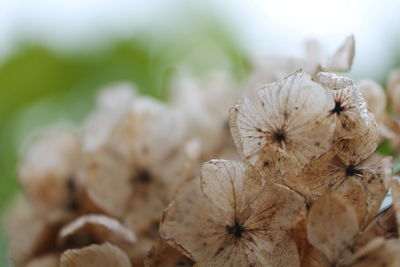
(342, 60)
(95, 229)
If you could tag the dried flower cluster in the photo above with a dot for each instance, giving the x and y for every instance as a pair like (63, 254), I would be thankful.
(299, 185)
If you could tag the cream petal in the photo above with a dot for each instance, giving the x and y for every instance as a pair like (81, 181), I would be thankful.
(105, 255)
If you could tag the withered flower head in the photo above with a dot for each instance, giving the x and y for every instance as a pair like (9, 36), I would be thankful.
(288, 128)
(130, 174)
(136, 159)
(350, 169)
(105, 255)
(236, 219)
(349, 110)
(49, 169)
(331, 227)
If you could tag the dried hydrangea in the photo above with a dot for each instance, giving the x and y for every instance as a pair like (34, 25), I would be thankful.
(305, 188)
(234, 219)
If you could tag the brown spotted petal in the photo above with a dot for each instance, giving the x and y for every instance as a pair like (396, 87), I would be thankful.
(378, 252)
(96, 229)
(163, 255)
(105, 255)
(332, 225)
(292, 123)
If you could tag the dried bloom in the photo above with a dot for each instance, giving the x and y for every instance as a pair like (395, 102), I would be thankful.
(96, 229)
(332, 226)
(29, 233)
(349, 110)
(360, 183)
(238, 220)
(394, 90)
(290, 128)
(164, 255)
(49, 171)
(130, 173)
(48, 260)
(105, 255)
(378, 252)
(375, 97)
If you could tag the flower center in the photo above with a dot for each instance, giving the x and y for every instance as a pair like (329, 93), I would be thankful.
(279, 136)
(236, 230)
(351, 170)
(338, 108)
(143, 177)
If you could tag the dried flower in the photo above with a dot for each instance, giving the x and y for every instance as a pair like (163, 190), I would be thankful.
(239, 219)
(288, 127)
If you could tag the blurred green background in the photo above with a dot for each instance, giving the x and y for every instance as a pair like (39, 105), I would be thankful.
(40, 85)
